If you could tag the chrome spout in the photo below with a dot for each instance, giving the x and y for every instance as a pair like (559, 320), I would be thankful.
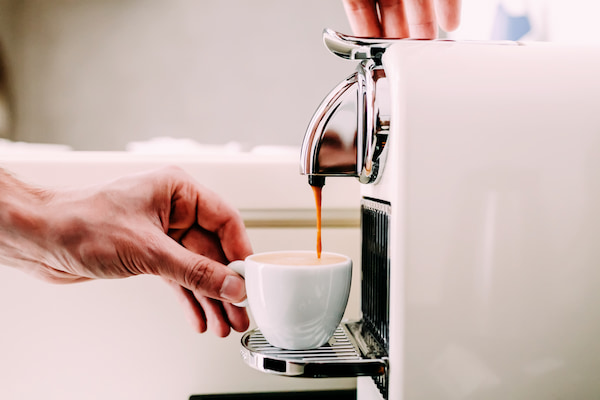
(347, 134)
(329, 146)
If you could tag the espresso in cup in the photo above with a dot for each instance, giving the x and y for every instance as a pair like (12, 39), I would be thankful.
(298, 258)
(296, 298)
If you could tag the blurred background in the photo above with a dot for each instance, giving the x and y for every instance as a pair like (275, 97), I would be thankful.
(573, 21)
(99, 74)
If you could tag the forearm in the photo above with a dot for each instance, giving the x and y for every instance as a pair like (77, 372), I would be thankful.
(20, 223)
(160, 223)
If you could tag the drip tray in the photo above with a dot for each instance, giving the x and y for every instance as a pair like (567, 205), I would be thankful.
(352, 351)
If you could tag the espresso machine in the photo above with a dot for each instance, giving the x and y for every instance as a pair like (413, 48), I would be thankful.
(479, 166)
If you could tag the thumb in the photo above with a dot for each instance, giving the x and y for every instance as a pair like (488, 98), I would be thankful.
(200, 274)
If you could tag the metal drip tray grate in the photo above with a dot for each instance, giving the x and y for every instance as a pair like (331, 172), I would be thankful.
(347, 354)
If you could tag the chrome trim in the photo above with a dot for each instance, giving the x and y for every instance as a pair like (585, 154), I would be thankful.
(345, 355)
(355, 48)
(373, 123)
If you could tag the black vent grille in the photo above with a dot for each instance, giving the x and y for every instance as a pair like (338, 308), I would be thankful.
(375, 284)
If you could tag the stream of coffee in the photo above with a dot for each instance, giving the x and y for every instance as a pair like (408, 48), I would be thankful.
(318, 190)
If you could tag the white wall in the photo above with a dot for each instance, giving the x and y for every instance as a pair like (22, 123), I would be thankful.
(97, 74)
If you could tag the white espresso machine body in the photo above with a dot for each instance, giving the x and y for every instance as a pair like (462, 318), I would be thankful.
(492, 179)
(479, 166)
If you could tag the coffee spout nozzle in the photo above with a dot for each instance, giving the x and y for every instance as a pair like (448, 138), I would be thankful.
(316, 180)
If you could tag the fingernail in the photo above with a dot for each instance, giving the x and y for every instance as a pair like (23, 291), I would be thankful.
(233, 288)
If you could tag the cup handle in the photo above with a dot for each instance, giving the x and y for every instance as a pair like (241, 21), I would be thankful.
(240, 267)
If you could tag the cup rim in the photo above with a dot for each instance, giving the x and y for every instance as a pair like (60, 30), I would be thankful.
(346, 258)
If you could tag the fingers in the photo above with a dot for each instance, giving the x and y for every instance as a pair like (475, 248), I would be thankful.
(393, 19)
(402, 18)
(363, 18)
(192, 203)
(420, 18)
(204, 233)
(220, 317)
(204, 276)
(207, 283)
(212, 216)
(216, 317)
(193, 312)
(206, 244)
(203, 313)
(216, 216)
(237, 316)
(448, 14)
(201, 241)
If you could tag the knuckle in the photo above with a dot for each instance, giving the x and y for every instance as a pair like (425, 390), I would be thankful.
(200, 276)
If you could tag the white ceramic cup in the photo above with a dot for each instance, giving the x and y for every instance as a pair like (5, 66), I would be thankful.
(296, 301)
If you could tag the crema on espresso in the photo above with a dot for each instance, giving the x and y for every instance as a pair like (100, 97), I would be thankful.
(298, 258)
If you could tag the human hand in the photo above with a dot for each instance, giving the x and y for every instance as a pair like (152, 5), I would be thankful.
(161, 223)
(402, 18)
